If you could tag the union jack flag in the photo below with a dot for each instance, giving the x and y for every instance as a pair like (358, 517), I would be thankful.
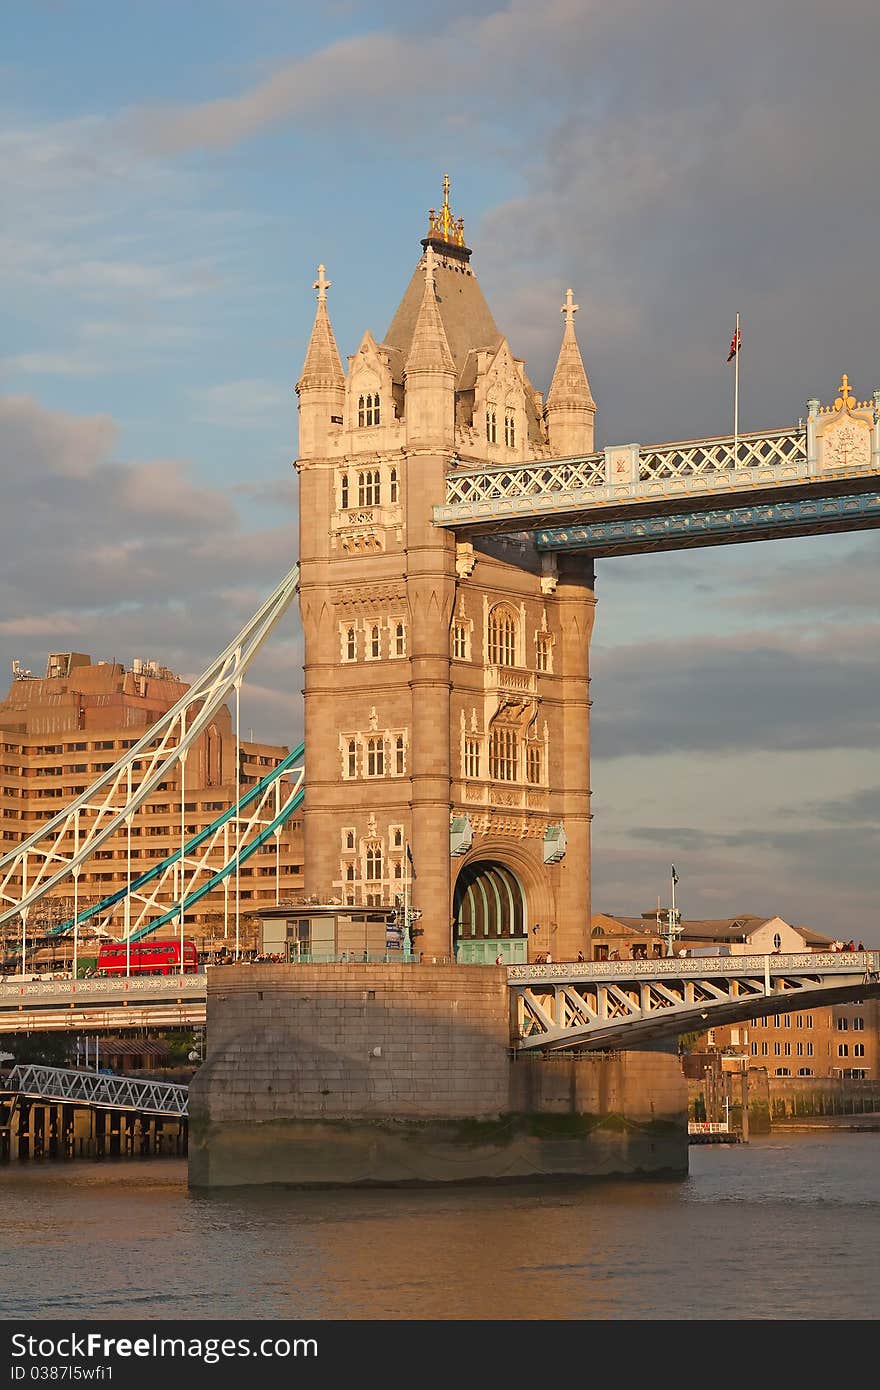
(735, 345)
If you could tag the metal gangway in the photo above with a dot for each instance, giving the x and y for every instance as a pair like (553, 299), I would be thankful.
(98, 1090)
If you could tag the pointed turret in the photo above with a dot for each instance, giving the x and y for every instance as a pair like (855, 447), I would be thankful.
(321, 387)
(429, 374)
(570, 410)
(430, 350)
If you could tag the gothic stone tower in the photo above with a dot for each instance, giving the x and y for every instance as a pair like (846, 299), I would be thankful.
(446, 683)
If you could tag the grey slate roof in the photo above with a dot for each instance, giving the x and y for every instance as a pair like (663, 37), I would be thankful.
(467, 318)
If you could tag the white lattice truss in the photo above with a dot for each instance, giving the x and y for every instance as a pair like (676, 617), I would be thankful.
(726, 467)
(624, 1004)
(93, 1089)
(59, 848)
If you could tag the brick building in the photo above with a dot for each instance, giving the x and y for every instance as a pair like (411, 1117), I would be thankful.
(58, 733)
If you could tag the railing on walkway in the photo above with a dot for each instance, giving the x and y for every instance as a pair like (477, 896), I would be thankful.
(96, 1089)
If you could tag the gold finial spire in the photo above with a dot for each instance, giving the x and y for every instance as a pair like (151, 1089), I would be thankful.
(442, 224)
(322, 285)
(569, 308)
(845, 393)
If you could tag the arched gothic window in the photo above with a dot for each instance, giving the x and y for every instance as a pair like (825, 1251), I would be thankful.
(533, 764)
(399, 756)
(502, 637)
(375, 757)
(491, 426)
(351, 645)
(394, 486)
(509, 429)
(400, 640)
(352, 757)
(503, 754)
(369, 490)
(368, 409)
(375, 642)
(374, 863)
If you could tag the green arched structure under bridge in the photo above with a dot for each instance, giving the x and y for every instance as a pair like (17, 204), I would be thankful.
(490, 915)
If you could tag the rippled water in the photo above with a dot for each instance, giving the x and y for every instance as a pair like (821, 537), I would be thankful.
(785, 1228)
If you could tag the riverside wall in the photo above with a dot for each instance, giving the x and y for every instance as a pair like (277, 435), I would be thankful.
(346, 1074)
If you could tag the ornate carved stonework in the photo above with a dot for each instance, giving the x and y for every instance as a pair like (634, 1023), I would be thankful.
(847, 444)
(465, 559)
(368, 597)
(843, 439)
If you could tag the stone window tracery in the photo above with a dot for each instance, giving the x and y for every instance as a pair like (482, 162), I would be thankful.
(343, 492)
(375, 642)
(350, 644)
(373, 863)
(503, 754)
(399, 639)
(533, 764)
(544, 652)
(502, 637)
(375, 757)
(368, 409)
(461, 641)
(472, 757)
(510, 429)
(352, 758)
(369, 488)
(491, 426)
(394, 486)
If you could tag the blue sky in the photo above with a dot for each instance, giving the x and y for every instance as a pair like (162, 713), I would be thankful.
(173, 174)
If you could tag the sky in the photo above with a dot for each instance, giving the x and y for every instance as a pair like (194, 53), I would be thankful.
(173, 173)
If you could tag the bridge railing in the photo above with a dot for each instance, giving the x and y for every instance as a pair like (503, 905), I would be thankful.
(844, 962)
(93, 1088)
(192, 985)
(629, 473)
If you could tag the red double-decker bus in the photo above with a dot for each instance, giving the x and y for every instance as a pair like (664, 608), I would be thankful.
(147, 958)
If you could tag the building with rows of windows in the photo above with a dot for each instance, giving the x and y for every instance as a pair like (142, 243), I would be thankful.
(446, 682)
(60, 732)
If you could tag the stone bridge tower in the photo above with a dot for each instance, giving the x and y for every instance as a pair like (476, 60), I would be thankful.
(446, 681)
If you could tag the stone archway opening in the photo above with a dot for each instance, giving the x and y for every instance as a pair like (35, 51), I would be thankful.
(490, 915)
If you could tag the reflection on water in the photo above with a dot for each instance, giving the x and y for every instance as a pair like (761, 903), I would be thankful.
(781, 1228)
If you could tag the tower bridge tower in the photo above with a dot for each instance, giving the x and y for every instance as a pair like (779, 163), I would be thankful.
(446, 682)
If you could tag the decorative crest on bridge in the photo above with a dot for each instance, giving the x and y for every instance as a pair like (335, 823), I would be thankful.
(844, 437)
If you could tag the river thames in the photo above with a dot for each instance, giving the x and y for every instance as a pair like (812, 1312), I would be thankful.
(786, 1227)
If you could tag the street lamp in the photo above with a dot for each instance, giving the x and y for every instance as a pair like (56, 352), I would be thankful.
(673, 917)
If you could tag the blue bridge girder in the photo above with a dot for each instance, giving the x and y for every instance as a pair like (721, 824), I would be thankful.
(814, 516)
(615, 1005)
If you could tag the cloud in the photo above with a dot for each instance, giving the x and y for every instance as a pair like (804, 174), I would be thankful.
(241, 403)
(122, 558)
(751, 690)
(34, 439)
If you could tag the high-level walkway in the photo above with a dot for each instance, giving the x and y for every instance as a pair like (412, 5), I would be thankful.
(820, 476)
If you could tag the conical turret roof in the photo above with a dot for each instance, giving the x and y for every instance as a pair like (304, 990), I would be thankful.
(429, 348)
(570, 386)
(323, 366)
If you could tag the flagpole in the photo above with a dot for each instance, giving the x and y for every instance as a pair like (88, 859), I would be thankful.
(736, 340)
